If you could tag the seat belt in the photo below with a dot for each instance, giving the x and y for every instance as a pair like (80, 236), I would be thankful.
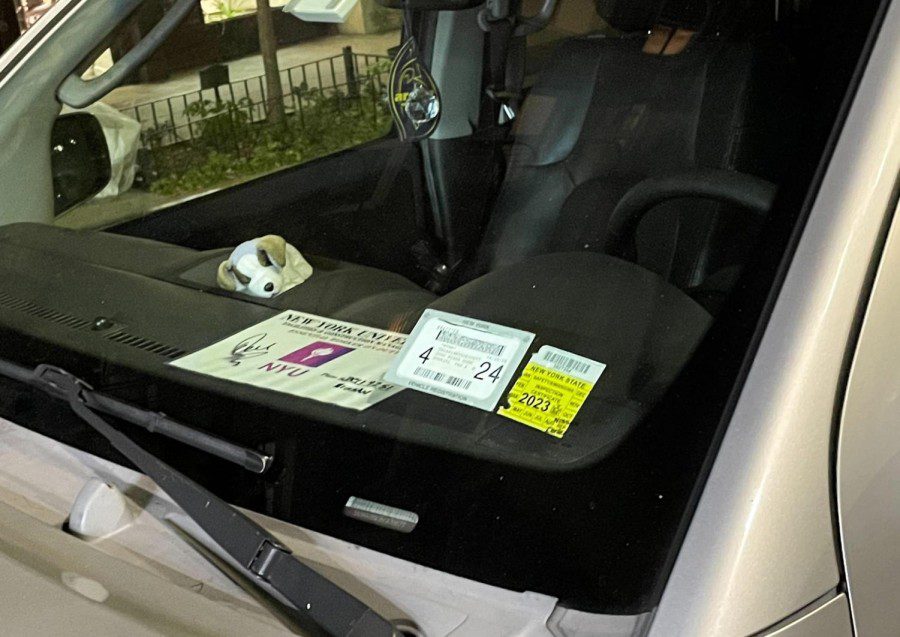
(500, 38)
(506, 58)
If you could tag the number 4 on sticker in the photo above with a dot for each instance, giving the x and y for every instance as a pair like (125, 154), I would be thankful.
(426, 355)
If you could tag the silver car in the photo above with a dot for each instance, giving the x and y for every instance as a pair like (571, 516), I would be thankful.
(598, 337)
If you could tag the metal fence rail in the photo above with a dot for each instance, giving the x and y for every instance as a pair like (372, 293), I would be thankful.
(354, 76)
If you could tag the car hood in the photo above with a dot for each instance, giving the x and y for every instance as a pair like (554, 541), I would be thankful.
(147, 578)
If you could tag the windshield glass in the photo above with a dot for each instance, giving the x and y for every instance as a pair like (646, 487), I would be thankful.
(482, 293)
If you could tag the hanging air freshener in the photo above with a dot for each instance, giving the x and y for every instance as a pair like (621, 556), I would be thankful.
(414, 98)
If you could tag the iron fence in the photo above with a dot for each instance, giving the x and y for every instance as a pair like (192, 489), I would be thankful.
(180, 118)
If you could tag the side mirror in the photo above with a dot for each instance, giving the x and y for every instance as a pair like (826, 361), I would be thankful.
(79, 160)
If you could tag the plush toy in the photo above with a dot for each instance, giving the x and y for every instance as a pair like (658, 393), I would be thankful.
(264, 267)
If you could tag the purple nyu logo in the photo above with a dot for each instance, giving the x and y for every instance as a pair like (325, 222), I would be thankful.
(316, 354)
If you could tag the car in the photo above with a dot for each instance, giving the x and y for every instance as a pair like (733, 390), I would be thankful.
(598, 338)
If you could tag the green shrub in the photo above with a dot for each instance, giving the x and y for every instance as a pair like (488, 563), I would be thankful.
(228, 147)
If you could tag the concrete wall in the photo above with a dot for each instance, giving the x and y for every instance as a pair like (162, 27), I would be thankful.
(370, 17)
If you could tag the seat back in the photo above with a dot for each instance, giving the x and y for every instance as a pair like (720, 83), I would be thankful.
(607, 113)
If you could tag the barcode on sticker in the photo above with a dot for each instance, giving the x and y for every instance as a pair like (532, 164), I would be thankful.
(570, 364)
(439, 377)
(566, 364)
(453, 337)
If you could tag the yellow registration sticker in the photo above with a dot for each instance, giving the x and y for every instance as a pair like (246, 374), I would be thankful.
(552, 388)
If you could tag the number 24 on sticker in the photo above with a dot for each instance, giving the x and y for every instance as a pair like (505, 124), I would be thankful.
(493, 374)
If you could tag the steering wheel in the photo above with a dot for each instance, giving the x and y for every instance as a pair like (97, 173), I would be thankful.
(750, 193)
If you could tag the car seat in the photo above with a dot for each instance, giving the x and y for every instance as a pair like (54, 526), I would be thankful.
(610, 111)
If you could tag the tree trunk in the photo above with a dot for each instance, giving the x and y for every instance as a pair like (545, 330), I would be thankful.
(268, 47)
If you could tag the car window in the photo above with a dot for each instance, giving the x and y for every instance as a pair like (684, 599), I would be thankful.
(505, 350)
(198, 116)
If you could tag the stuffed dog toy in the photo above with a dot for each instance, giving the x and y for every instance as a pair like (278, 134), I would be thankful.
(263, 267)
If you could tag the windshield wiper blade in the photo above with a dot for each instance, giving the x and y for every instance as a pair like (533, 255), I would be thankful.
(315, 602)
(152, 421)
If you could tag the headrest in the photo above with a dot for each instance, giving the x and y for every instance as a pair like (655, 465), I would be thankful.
(695, 15)
(629, 15)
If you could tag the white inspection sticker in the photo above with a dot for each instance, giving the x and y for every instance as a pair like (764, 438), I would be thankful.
(305, 355)
(460, 358)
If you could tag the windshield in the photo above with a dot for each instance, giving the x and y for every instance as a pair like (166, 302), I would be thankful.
(483, 294)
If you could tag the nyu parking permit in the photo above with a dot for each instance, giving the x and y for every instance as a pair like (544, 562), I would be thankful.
(459, 358)
(307, 356)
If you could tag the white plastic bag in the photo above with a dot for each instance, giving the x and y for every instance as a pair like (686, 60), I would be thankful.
(123, 138)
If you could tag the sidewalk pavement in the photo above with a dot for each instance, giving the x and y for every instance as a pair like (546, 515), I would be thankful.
(126, 97)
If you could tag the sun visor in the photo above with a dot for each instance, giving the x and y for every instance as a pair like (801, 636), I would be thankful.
(629, 15)
(707, 17)
(430, 5)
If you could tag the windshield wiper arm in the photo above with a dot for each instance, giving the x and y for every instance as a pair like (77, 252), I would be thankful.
(315, 601)
(152, 421)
